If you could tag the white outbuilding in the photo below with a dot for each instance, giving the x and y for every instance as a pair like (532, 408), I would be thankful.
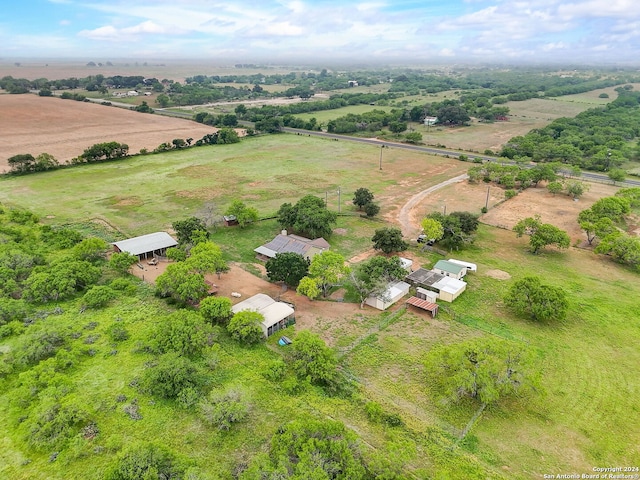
(394, 292)
(277, 315)
(471, 267)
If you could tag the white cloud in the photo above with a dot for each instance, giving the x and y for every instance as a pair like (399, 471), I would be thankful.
(102, 33)
(145, 27)
(316, 29)
(600, 8)
(283, 29)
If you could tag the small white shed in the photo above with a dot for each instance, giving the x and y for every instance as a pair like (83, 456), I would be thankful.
(394, 292)
(471, 267)
(449, 288)
(407, 264)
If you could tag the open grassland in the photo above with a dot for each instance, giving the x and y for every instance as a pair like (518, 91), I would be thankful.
(147, 193)
(586, 415)
(523, 117)
(325, 116)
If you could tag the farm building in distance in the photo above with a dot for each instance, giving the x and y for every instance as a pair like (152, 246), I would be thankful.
(277, 315)
(284, 243)
(146, 246)
(230, 220)
(394, 292)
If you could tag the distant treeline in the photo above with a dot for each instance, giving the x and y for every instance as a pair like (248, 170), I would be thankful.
(26, 163)
(596, 139)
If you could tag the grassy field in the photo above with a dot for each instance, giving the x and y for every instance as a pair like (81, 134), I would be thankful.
(147, 193)
(524, 116)
(586, 415)
(325, 115)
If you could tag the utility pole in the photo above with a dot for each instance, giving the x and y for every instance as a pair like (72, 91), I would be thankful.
(381, 147)
(486, 203)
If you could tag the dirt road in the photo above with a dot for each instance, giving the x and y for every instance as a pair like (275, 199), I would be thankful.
(410, 225)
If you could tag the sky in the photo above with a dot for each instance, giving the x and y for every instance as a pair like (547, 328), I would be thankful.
(425, 31)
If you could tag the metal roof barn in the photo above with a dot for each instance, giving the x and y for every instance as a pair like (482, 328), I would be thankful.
(146, 245)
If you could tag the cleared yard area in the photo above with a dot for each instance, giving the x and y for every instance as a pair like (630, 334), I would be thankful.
(559, 210)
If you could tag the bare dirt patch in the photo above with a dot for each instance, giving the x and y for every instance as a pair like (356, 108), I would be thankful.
(498, 274)
(64, 128)
(559, 210)
(311, 315)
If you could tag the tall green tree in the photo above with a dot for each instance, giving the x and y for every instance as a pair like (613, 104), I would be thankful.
(614, 208)
(530, 297)
(483, 369)
(458, 228)
(245, 327)
(216, 310)
(621, 247)
(183, 332)
(170, 375)
(244, 215)
(371, 277)
(91, 249)
(181, 283)
(309, 216)
(206, 257)
(121, 261)
(327, 268)
(361, 197)
(188, 229)
(389, 240)
(453, 115)
(541, 234)
(288, 267)
(594, 226)
(310, 357)
(309, 287)
(617, 175)
(432, 229)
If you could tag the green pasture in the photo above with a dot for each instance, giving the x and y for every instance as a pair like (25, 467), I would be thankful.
(324, 116)
(102, 381)
(147, 193)
(587, 413)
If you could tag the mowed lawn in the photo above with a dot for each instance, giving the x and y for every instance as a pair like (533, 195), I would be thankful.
(587, 413)
(148, 193)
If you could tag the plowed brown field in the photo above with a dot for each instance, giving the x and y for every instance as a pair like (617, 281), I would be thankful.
(64, 128)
